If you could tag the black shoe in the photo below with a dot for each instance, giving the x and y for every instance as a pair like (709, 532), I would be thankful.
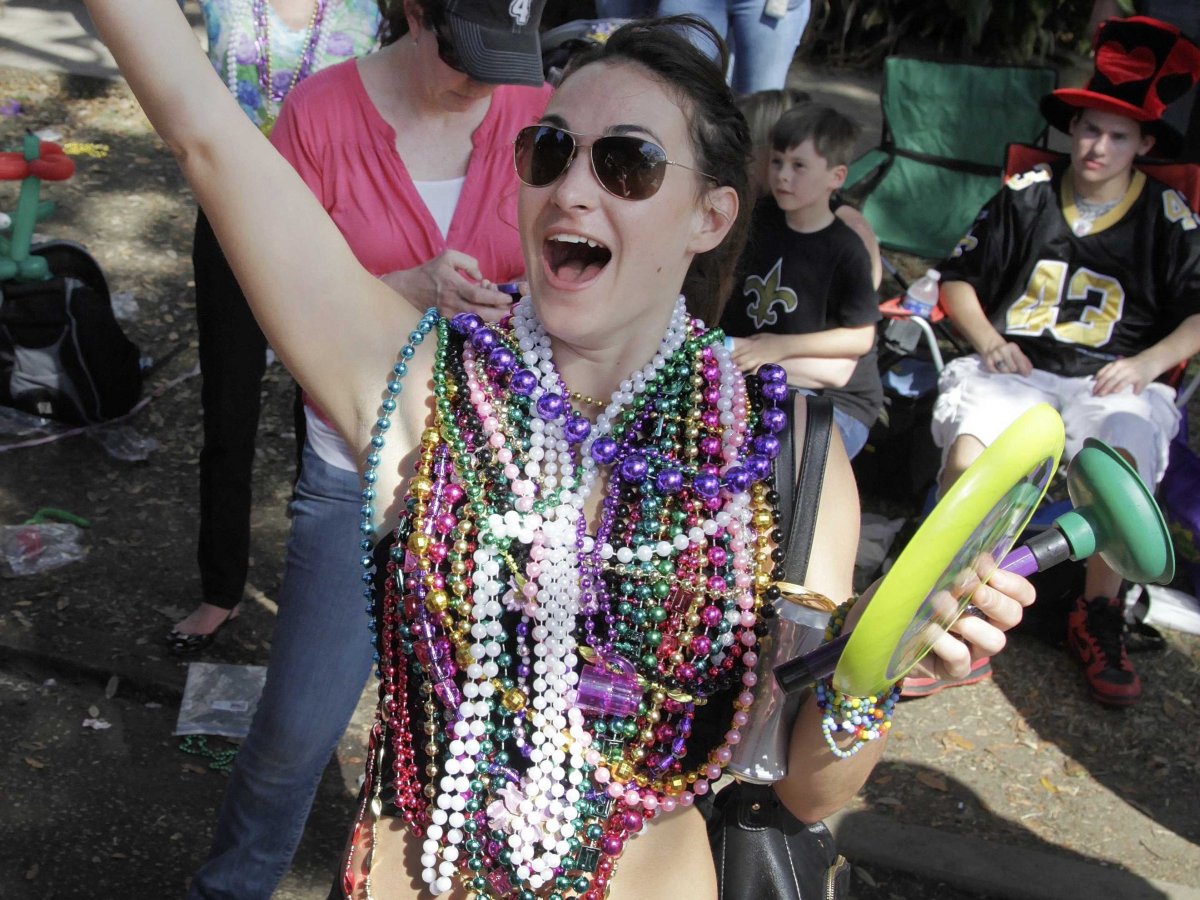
(180, 644)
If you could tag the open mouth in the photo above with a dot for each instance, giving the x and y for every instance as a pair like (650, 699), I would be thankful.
(573, 258)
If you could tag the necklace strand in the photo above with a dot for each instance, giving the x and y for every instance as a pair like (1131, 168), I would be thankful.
(667, 593)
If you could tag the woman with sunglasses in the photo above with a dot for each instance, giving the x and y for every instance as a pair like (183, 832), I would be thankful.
(409, 150)
(576, 533)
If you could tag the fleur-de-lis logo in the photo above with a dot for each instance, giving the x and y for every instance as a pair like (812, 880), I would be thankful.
(768, 292)
(519, 11)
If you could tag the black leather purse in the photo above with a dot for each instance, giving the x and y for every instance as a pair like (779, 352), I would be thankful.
(762, 851)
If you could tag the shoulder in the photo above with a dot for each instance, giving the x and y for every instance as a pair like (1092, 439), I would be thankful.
(1171, 207)
(1023, 181)
(329, 86)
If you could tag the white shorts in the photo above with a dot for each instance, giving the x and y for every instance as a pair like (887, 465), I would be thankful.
(973, 401)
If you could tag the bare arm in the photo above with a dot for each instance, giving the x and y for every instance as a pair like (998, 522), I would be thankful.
(859, 225)
(811, 372)
(834, 344)
(334, 326)
(1139, 370)
(966, 312)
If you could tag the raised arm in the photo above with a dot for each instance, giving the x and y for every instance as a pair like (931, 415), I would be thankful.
(335, 327)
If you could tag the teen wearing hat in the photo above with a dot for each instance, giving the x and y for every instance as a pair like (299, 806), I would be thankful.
(1079, 285)
(409, 151)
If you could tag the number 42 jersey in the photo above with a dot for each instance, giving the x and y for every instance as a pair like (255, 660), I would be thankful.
(1075, 293)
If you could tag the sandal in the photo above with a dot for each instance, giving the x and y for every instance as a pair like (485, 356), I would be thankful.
(181, 644)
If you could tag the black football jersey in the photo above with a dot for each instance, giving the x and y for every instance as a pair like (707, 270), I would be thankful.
(1076, 294)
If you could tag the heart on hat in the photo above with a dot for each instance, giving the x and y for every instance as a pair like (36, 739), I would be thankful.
(1121, 66)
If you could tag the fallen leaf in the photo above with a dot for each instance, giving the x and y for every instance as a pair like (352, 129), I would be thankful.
(93, 711)
(865, 876)
(110, 689)
(34, 763)
(951, 739)
(198, 770)
(1074, 769)
(1048, 785)
(937, 782)
(32, 872)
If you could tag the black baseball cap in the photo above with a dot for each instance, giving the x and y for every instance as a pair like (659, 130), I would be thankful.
(497, 40)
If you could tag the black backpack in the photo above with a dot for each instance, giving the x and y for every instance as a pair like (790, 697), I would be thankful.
(63, 354)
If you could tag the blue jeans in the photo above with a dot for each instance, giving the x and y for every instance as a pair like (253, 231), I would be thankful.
(854, 432)
(320, 658)
(763, 46)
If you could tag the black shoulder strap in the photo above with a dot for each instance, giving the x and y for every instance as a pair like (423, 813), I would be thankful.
(798, 500)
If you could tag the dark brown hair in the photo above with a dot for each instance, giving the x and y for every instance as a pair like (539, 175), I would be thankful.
(832, 134)
(720, 138)
(393, 21)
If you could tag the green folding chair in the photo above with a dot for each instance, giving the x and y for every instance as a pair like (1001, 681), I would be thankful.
(945, 127)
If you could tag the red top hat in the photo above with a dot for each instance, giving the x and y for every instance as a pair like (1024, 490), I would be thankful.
(1142, 65)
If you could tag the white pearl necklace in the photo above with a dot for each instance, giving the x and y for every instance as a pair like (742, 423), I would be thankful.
(544, 822)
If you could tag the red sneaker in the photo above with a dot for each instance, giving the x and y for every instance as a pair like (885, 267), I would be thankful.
(1096, 637)
(926, 686)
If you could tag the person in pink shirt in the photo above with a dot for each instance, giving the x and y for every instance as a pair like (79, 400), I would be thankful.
(409, 150)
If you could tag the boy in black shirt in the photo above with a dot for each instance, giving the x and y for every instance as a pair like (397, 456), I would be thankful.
(804, 297)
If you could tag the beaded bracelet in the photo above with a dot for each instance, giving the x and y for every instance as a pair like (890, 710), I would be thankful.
(867, 718)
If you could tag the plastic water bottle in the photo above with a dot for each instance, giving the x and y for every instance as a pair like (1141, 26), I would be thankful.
(922, 294)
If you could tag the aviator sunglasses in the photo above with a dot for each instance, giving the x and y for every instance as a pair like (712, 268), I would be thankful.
(628, 167)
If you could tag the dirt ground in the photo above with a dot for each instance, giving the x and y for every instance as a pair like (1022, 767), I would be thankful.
(1024, 760)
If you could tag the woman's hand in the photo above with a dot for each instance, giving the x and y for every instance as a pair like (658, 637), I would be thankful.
(995, 608)
(453, 282)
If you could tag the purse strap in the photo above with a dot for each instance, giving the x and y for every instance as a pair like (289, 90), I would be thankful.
(798, 507)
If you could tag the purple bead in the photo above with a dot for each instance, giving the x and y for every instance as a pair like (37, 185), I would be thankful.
(772, 373)
(448, 693)
(775, 391)
(707, 484)
(758, 465)
(522, 382)
(577, 429)
(466, 323)
(501, 359)
(774, 420)
(551, 406)
(483, 339)
(766, 445)
(604, 450)
(669, 481)
(738, 480)
(634, 468)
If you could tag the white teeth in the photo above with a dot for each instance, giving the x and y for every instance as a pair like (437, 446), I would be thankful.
(575, 239)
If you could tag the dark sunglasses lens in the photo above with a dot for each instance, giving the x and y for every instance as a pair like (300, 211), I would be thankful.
(629, 167)
(542, 154)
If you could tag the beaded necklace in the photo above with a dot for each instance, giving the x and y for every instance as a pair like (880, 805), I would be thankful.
(539, 685)
(272, 90)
